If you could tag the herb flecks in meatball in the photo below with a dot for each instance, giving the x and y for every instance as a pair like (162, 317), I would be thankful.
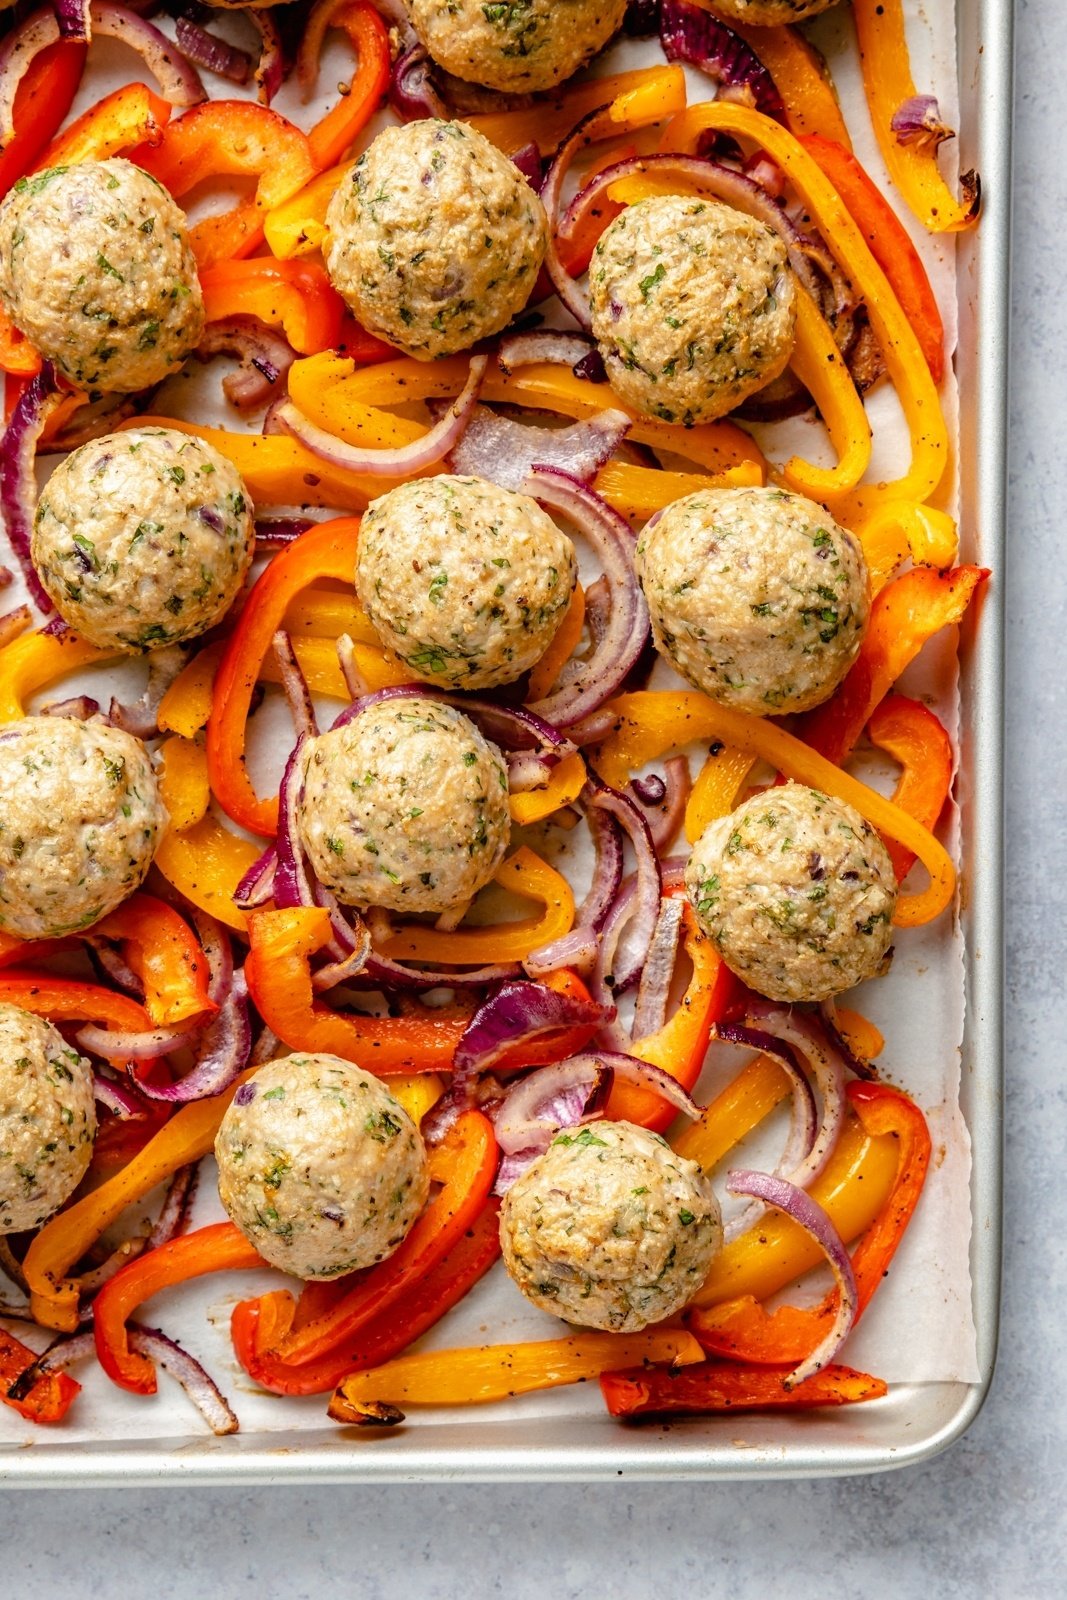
(47, 1119)
(515, 45)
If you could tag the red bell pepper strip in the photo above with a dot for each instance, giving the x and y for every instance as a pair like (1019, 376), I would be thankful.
(231, 138)
(218, 1248)
(296, 296)
(49, 1394)
(404, 1321)
(906, 613)
(889, 244)
(334, 133)
(325, 551)
(464, 1163)
(716, 1386)
(18, 358)
(165, 954)
(278, 974)
(364, 348)
(743, 1331)
(120, 1139)
(71, 1000)
(132, 118)
(912, 735)
(42, 101)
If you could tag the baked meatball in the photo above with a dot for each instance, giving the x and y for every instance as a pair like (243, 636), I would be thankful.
(515, 45)
(47, 1119)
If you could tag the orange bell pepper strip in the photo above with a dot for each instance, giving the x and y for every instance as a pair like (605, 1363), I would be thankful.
(206, 863)
(564, 643)
(409, 1316)
(800, 76)
(165, 954)
(131, 118)
(296, 296)
(636, 492)
(18, 358)
(42, 101)
(183, 782)
(45, 1396)
(652, 722)
(566, 783)
(37, 660)
(743, 1330)
(231, 138)
(186, 706)
(498, 1371)
(888, 83)
(734, 1112)
(889, 242)
(717, 787)
(717, 1386)
(912, 735)
(325, 551)
(659, 90)
(71, 1000)
(901, 349)
(523, 873)
(279, 980)
(464, 1164)
(298, 225)
(904, 616)
(186, 1137)
(218, 1248)
(679, 1047)
(337, 131)
(901, 528)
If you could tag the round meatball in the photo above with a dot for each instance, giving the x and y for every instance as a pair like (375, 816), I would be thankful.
(80, 818)
(797, 892)
(406, 806)
(609, 1228)
(320, 1168)
(770, 13)
(143, 538)
(97, 271)
(436, 239)
(757, 596)
(693, 306)
(47, 1119)
(464, 582)
(533, 44)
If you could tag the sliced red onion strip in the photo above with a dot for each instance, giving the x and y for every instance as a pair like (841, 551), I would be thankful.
(650, 1011)
(578, 948)
(919, 121)
(297, 693)
(124, 1102)
(265, 1047)
(517, 1014)
(803, 1120)
(173, 1218)
(18, 49)
(803, 1033)
(257, 886)
(177, 78)
(511, 727)
(108, 961)
(572, 296)
(90, 1283)
(637, 914)
(265, 357)
(857, 1064)
(528, 161)
(223, 1052)
(18, 483)
(516, 1126)
(805, 1211)
(433, 447)
(628, 625)
(666, 813)
(538, 1106)
(79, 708)
(395, 975)
(201, 1389)
(562, 347)
(270, 69)
(294, 882)
(505, 452)
(276, 533)
(74, 19)
(689, 33)
(412, 93)
(141, 718)
(529, 769)
(352, 967)
(215, 55)
(148, 1046)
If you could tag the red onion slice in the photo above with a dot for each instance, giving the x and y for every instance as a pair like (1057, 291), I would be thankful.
(265, 358)
(294, 882)
(395, 975)
(120, 1099)
(215, 55)
(150, 1045)
(270, 68)
(173, 1218)
(518, 1127)
(804, 1115)
(412, 92)
(919, 121)
(786, 1197)
(517, 1014)
(74, 19)
(572, 296)
(666, 812)
(635, 914)
(505, 452)
(178, 79)
(18, 482)
(561, 347)
(277, 533)
(562, 1095)
(856, 1064)
(578, 948)
(141, 718)
(17, 50)
(79, 708)
(294, 684)
(511, 727)
(650, 1011)
(433, 447)
(223, 1052)
(689, 33)
(802, 1032)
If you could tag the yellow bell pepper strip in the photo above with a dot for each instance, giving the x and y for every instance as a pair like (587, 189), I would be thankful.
(278, 974)
(205, 863)
(418, 1092)
(654, 721)
(564, 643)
(498, 1371)
(42, 1396)
(742, 1330)
(652, 92)
(464, 1163)
(166, 955)
(327, 550)
(900, 347)
(327, 614)
(566, 783)
(37, 660)
(186, 705)
(719, 1386)
(889, 85)
(679, 1047)
(296, 296)
(904, 616)
(320, 666)
(852, 1189)
(524, 874)
(363, 424)
(298, 226)
(821, 368)
(890, 245)
(231, 138)
(715, 792)
(735, 1111)
(338, 401)
(183, 782)
(131, 118)
(902, 528)
(861, 1035)
(636, 492)
(220, 1247)
(187, 1137)
(337, 131)
(800, 77)
(912, 735)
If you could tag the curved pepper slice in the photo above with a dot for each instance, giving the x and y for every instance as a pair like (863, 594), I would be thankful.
(325, 551)
(296, 296)
(278, 974)
(337, 131)
(734, 1112)
(38, 659)
(408, 1317)
(660, 90)
(800, 77)
(186, 1137)
(906, 613)
(743, 1330)
(636, 492)
(183, 782)
(912, 735)
(71, 1000)
(206, 863)
(131, 118)
(889, 85)
(45, 1396)
(18, 358)
(42, 101)
(566, 783)
(523, 873)
(716, 1386)
(165, 954)
(218, 1248)
(718, 784)
(464, 1163)
(901, 528)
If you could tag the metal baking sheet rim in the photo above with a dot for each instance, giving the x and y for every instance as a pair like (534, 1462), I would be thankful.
(916, 1421)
